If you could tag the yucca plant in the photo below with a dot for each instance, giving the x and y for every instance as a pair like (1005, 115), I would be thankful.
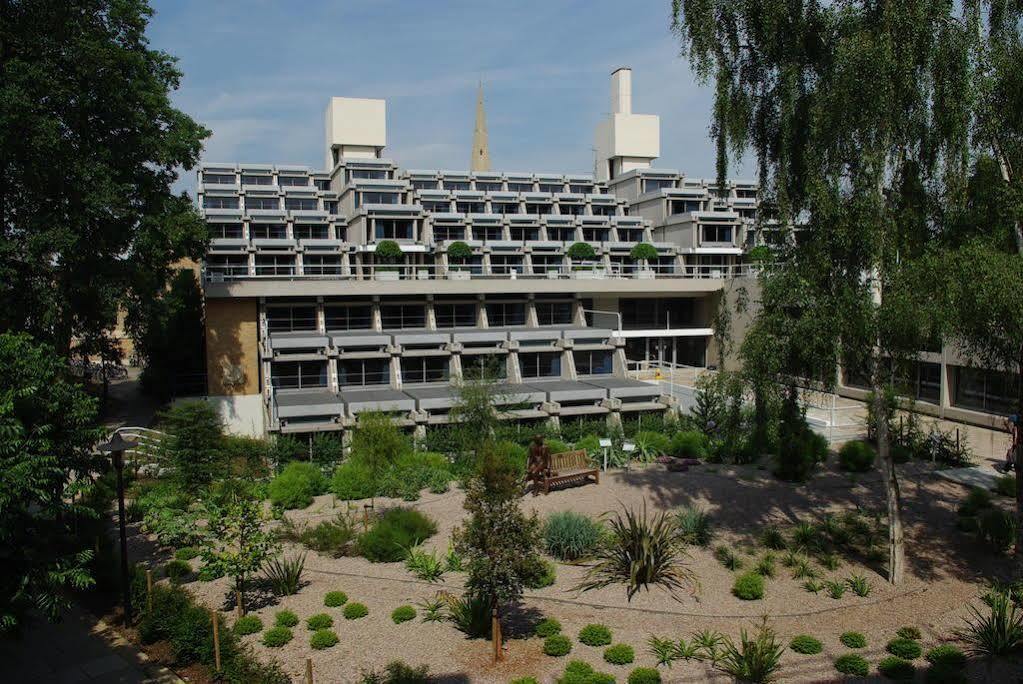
(859, 584)
(765, 566)
(471, 615)
(708, 644)
(434, 609)
(753, 659)
(424, 565)
(728, 557)
(997, 633)
(813, 586)
(641, 551)
(772, 538)
(835, 588)
(806, 535)
(684, 651)
(285, 574)
(804, 569)
(693, 525)
(663, 650)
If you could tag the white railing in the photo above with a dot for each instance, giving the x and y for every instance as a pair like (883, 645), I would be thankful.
(147, 449)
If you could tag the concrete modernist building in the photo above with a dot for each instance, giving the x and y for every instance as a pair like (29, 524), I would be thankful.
(307, 326)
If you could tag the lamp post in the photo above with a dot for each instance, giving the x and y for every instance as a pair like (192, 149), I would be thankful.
(116, 448)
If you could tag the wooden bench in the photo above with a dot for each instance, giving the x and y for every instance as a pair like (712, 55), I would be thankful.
(570, 466)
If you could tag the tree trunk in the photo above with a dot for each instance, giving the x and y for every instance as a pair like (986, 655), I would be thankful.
(896, 552)
(240, 600)
(1017, 462)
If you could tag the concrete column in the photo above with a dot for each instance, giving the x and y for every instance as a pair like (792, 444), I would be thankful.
(375, 311)
(514, 370)
(531, 319)
(455, 367)
(395, 352)
(431, 316)
(481, 313)
(568, 371)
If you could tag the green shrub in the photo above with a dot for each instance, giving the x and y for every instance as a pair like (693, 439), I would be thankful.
(581, 672)
(247, 624)
(773, 538)
(749, 587)
(896, 668)
(570, 536)
(403, 614)
(556, 446)
(595, 635)
(852, 665)
(285, 618)
(996, 633)
(543, 575)
(323, 638)
(557, 645)
(319, 621)
(650, 445)
(860, 586)
(297, 484)
(209, 573)
(333, 599)
(275, 637)
(397, 530)
(856, 457)
(354, 611)
(186, 554)
(693, 525)
(330, 537)
(644, 675)
(689, 444)
(806, 644)
(177, 570)
(946, 655)
(1005, 485)
(835, 589)
(907, 649)
(997, 528)
(728, 557)
(909, 633)
(471, 615)
(765, 566)
(977, 499)
(795, 460)
(853, 640)
(547, 627)
(285, 574)
(525, 680)
(581, 251)
(353, 480)
(619, 654)
(944, 674)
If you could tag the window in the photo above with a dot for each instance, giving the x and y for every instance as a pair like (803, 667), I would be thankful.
(602, 209)
(928, 382)
(533, 208)
(455, 315)
(580, 189)
(683, 206)
(471, 207)
(524, 233)
(371, 174)
(251, 179)
(638, 314)
(456, 185)
(312, 232)
(393, 229)
(504, 264)
(448, 233)
(353, 317)
(552, 187)
(553, 313)
(745, 193)
(489, 186)
(504, 207)
(630, 234)
(542, 263)
(593, 362)
(262, 202)
(651, 184)
(403, 315)
(506, 313)
(520, 187)
(331, 207)
(561, 233)
(540, 365)
(366, 197)
(424, 369)
(275, 264)
(489, 366)
(219, 202)
(437, 207)
(322, 184)
(218, 178)
(424, 184)
(596, 234)
(228, 264)
(487, 233)
(321, 264)
(293, 181)
(268, 231)
(571, 209)
(290, 318)
(717, 234)
(300, 203)
(225, 230)
(985, 390)
(361, 372)
(298, 374)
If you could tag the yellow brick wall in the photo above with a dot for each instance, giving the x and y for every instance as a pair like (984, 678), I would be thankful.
(232, 346)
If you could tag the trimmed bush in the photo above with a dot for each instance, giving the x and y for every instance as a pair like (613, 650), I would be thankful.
(186, 554)
(896, 668)
(595, 635)
(806, 644)
(946, 655)
(403, 614)
(285, 618)
(177, 570)
(397, 530)
(247, 624)
(323, 638)
(297, 484)
(907, 649)
(853, 665)
(334, 599)
(853, 640)
(909, 633)
(581, 251)
(644, 675)
(319, 621)
(749, 587)
(856, 457)
(547, 627)
(619, 654)
(581, 672)
(354, 611)
(690, 444)
(557, 645)
(353, 480)
(275, 637)
(570, 536)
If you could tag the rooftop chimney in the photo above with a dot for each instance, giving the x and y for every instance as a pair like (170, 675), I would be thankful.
(621, 91)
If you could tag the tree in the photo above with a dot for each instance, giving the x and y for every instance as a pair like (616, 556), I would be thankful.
(47, 429)
(194, 443)
(581, 251)
(858, 114)
(169, 337)
(459, 252)
(377, 443)
(643, 251)
(91, 147)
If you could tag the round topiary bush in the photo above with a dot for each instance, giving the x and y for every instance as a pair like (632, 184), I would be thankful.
(907, 649)
(643, 251)
(547, 627)
(896, 668)
(619, 654)
(595, 635)
(275, 637)
(333, 599)
(856, 457)
(581, 251)
(403, 614)
(749, 587)
(459, 251)
(853, 665)
(319, 621)
(644, 675)
(297, 484)
(323, 638)
(177, 570)
(247, 624)
(853, 640)
(557, 645)
(806, 644)
(354, 611)
(581, 672)
(570, 536)
(909, 633)
(285, 618)
(387, 251)
(946, 655)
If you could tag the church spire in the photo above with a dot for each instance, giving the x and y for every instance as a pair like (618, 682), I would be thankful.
(480, 152)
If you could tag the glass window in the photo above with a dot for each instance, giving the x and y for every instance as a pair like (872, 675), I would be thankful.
(225, 230)
(424, 369)
(403, 315)
(552, 187)
(425, 184)
(593, 362)
(542, 263)
(262, 202)
(275, 264)
(293, 181)
(290, 318)
(322, 184)
(372, 174)
(540, 365)
(746, 193)
(520, 187)
(353, 317)
(373, 197)
(717, 234)
(985, 390)
(490, 366)
(456, 185)
(268, 231)
(457, 315)
(311, 232)
(437, 207)
(487, 233)
(471, 207)
(253, 179)
(393, 229)
(630, 234)
(580, 189)
(504, 207)
(504, 264)
(298, 374)
(448, 233)
(683, 206)
(596, 234)
(218, 178)
(361, 372)
(553, 313)
(228, 264)
(651, 184)
(331, 207)
(321, 264)
(219, 202)
(506, 313)
(534, 208)
(561, 234)
(300, 203)
(489, 186)
(524, 233)
(603, 209)
(571, 209)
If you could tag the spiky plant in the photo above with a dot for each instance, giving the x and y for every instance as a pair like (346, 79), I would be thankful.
(753, 659)
(663, 650)
(285, 574)
(641, 551)
(708, 644)
(997, 633)
(859, 584)
(693, 525)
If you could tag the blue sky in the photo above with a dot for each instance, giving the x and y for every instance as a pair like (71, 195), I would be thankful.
(258, 74)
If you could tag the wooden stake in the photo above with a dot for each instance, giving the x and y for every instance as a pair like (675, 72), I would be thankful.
(216, 639)
(149, 590)
(239, 608)
(308, 671)
(495, 632)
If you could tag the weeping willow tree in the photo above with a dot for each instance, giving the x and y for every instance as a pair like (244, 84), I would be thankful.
(864, 119)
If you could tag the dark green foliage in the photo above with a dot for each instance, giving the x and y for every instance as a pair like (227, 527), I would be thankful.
(748, 587)
(247, 624)
(945, 674)
(806, 644)
(547, 627)
(689, 444)
(331, 537)
(326, 450)
(459, 251)
(557, 645)
(471, 615)
(619, 654)
(570, 536)
(283, 449)
(395, 531)
(976, 501)
(643, 251)
(644, 675)
(861, 587)
(170, 346)
(403, 614)
(193, 442)
(323, 638)
(398, 672)
(946, 655)
(387, 252)
(727, 556)
(907, 649)
(1005, 485)
(772, 538)
(853, 665)
(693, 525)
(856, 457)
(753, 659)
(525, 680)
(285, 574)
(544, 575)
(186, 554)
(353, 480)
(595, 635)
(285, 618)
(799, 448)
(996, 633)
(896, 668)
(650, 445)
(354, 611)
(765, 566)
(297, 484)
(319, 621)
(997, 528)
(177, 570)
(333, 599)
(581, 672)
(853, 640)
(581, 251)
(908, 632)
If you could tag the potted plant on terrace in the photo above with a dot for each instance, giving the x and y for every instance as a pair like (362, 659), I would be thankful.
(643, 253)
(459, 253)
(386, 252)
(584, 252)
